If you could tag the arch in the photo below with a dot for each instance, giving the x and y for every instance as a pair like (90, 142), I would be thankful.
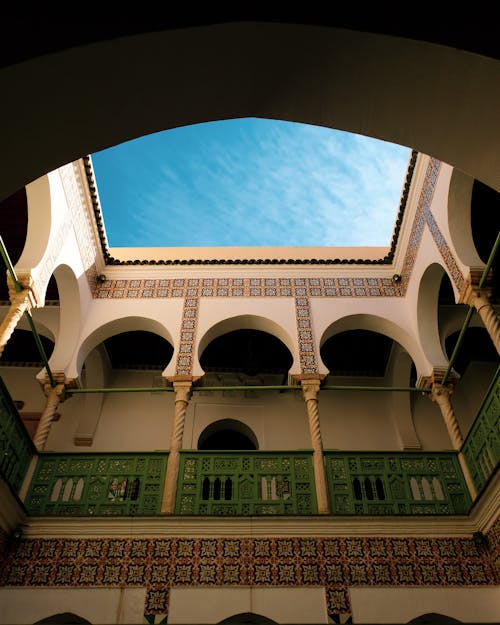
(387, 327)
(39, 199)
(116, 326)
(247, 322)
(459, 218)
(290, 71)
(227, 432)
(427, 314)
(247, 618)
(70, 314)
(63, 618)
(433, 618)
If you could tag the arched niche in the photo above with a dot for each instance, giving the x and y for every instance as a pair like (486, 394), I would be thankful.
(227, 434)
(63, 618)
(247, 618)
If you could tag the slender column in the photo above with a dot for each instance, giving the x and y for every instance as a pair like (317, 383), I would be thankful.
(310, 390)
(441, 394)
(20, 302)
(55, 395)
(479, 298)
(182, 397)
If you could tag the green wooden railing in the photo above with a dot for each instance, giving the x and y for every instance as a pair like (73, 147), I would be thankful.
(245, 483)
(481, 448)
(364, 483)
(16, 447)
(112, 484)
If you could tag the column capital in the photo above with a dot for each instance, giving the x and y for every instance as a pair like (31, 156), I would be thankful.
(436, 378)
(61, 384)
(28, 289)
(438, 391)
(310, 387)
(471, 290)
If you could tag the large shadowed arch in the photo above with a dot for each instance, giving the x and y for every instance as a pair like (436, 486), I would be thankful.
(291, 71)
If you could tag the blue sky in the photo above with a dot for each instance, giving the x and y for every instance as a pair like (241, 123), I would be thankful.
(250, 182)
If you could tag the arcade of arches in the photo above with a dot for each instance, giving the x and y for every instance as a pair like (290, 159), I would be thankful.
(324, 428)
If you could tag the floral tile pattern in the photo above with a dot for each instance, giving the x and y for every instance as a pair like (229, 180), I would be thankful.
(335, 563)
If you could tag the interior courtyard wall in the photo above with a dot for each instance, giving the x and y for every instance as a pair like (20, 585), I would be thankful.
(22, 606)
(128, 421)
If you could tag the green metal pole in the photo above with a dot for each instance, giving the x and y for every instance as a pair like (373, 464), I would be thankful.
(470, 312)
(19, 288)
(76, 391)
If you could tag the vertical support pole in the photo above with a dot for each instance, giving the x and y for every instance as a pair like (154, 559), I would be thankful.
(55, 395)
(310, 390)
(441, 395)
(183, 391)
(20, 302)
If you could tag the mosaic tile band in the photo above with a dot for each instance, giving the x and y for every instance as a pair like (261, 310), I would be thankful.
(334, 563)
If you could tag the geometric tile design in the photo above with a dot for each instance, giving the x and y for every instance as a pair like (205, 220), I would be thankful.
(423, 206)
(450, 262)
(336, 563)
(188, 331)
(246, 287)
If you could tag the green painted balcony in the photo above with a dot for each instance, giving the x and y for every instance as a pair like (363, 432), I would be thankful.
(246, 483)
(97, 484)
(384, 483)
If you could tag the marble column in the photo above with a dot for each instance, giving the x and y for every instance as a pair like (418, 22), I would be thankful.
(182, 396)
(310, 390)
(55, 395)
(20, 302)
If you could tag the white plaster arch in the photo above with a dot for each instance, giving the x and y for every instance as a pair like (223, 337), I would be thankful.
(294, 72)
(459, 219)
(116, 326)
(427, 315)
(39, 203)
(70, 314)
(247, 322)
(376, 323)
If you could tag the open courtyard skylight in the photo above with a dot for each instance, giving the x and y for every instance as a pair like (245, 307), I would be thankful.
(250, 182)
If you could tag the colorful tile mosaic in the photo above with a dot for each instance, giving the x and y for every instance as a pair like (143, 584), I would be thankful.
(247, 287)
(188, 330)
(335, 563)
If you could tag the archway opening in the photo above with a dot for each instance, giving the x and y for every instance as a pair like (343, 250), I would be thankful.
(252, 355)
(227, 434)
(357, 353)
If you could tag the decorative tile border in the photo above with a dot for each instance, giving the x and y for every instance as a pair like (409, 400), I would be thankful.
(188, 333)
(247, 287)
(335, 563)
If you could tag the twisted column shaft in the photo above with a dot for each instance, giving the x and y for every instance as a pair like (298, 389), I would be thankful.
(481, 303)
(310, 390)
(20, 303)
(54, 396)
(441, 396)
(182, 396)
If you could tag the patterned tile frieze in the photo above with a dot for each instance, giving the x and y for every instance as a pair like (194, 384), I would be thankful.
(81, 218)
(335, 563)
(247, 287)
(188, 329)
(307, 355)
(444, 250)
